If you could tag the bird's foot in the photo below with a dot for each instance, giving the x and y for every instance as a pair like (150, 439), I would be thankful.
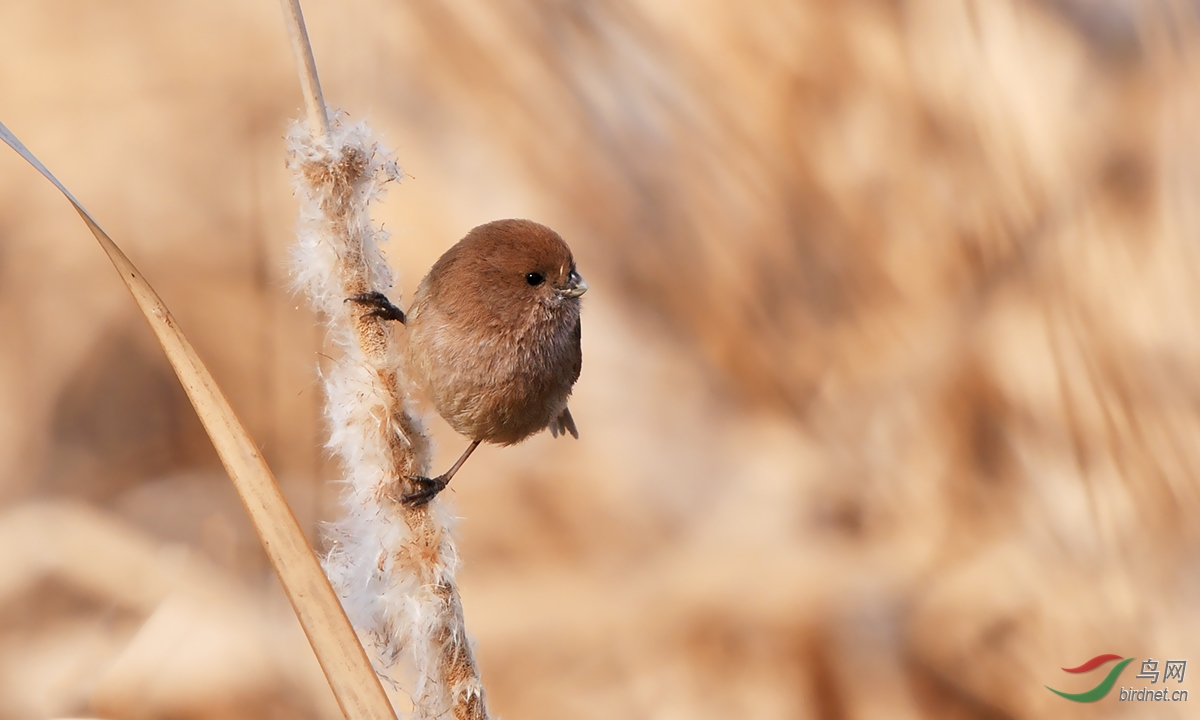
(425, 489)
(380, 306)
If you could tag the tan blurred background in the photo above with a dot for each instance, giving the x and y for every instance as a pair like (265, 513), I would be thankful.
(889, 405)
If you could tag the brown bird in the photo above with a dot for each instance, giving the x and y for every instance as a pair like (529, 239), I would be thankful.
(493, 337)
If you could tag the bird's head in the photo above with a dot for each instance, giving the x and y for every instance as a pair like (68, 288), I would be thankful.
(529, 261)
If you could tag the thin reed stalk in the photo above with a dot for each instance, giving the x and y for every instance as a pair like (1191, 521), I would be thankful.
(393, 565)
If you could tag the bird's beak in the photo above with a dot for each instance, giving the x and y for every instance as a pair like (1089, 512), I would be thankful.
(575, 285)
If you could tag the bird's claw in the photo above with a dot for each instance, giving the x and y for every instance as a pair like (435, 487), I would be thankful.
(380, 306)
(425, 490)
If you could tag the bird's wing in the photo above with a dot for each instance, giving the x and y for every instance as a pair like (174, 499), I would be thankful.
(564, 424)
(578, 351)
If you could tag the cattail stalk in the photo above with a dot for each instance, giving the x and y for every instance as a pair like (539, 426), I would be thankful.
(393, 565)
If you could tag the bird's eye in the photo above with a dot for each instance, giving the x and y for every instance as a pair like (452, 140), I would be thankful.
(535, 278)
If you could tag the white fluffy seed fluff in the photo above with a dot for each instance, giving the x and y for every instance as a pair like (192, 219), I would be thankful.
(393, 566)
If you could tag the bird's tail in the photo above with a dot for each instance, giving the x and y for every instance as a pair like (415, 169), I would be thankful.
(564, 424)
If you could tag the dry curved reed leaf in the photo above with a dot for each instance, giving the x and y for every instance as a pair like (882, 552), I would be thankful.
(354, 683)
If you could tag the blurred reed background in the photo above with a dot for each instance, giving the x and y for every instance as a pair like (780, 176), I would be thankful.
(888, 409)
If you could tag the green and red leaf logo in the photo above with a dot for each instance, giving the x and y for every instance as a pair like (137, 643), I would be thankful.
(1105, 685)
